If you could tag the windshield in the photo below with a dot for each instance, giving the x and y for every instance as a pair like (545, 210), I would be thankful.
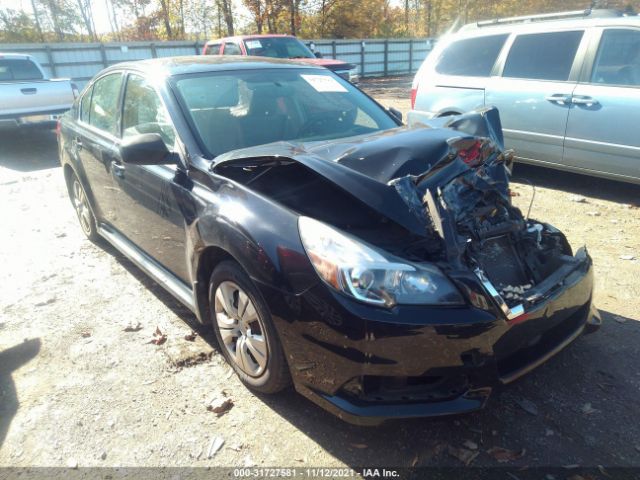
(277, 47)
(238, 109)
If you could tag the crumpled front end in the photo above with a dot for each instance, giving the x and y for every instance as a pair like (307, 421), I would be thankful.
(438, 196)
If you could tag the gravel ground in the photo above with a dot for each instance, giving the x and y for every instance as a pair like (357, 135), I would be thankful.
(81, 384)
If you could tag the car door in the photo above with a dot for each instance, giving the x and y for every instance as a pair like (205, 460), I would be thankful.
(95, 142)
(533, 91)
(151, 217)
(602, 127)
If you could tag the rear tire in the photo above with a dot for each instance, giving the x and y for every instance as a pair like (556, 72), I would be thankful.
(82, 207)
(244, 329)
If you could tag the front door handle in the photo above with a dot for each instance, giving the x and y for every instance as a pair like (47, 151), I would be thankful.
(118, 169)
(561, 98)
(584, 100)
(29, 91)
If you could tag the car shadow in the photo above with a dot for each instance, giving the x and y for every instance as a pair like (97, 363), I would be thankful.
(28, 149)
(577, 184)
(11, 359)
(563, 413)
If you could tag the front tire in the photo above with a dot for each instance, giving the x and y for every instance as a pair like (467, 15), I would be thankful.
(244, 329)
(82, 207)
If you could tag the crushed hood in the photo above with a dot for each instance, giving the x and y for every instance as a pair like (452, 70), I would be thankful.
(380, 168)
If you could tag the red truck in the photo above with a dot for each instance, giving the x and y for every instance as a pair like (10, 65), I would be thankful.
(277, 46)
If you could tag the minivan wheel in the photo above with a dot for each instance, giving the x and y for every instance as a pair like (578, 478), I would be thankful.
(83, 209)
(245, 331)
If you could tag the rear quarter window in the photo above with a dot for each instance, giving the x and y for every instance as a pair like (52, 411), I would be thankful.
(471, 57)
(543, 56)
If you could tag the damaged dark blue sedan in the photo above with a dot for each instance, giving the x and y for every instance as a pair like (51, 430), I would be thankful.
(380, 268)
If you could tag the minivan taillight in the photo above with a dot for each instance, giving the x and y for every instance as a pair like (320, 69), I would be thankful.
(414, 92)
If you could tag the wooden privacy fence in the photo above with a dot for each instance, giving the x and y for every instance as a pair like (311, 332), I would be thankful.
(81, 61)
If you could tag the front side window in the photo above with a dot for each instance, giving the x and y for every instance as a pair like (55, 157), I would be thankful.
(103, 113)
(238, 109)
(18, 69)
(471, 57)
(543, 56)
(143, 111)
(231, 49)
(618, 59)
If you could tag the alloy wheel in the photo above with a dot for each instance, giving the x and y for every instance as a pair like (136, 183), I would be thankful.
(241, 329)
(81, 205)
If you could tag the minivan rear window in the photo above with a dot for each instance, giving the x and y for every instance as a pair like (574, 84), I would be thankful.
(471, 57)
(543, 56)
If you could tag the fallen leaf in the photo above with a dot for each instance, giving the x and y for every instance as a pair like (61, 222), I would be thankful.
(464, 455)
(85, 334)
(587, 409)
(593, 214)
(627, 257)
(503, 455)
(190, 337)
(619, 319)
(158, 337)
(414, 462)
(220, 405)
(577, 199)
(528, 406)
(359, 445)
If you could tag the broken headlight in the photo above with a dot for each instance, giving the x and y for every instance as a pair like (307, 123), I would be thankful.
(370, 276)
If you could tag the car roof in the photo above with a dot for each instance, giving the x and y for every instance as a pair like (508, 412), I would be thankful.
(537, 23)
(169, 66)
(249, 37)
(21, 56)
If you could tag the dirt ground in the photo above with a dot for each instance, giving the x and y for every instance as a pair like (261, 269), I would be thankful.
(77, 388)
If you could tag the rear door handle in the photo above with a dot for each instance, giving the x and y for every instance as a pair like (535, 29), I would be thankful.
(562, 98)
(29, 91)
(584, 100)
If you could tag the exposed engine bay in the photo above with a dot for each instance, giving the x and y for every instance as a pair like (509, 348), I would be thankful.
(456, 211)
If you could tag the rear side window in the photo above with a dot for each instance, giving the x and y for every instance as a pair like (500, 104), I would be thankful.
(618, 59)
(18, 69)
(231, 49)
(103, 113)
(471, 57)
(543, 56)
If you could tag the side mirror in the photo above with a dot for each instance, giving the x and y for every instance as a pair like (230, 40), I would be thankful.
(317, 54)
(395, 112)
(146, 149)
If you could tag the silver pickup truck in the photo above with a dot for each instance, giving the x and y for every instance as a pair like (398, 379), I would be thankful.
(27, 96)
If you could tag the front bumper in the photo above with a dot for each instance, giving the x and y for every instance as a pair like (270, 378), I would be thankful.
(367, 365)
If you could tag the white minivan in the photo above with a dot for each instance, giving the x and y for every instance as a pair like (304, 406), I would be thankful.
(567, 87)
